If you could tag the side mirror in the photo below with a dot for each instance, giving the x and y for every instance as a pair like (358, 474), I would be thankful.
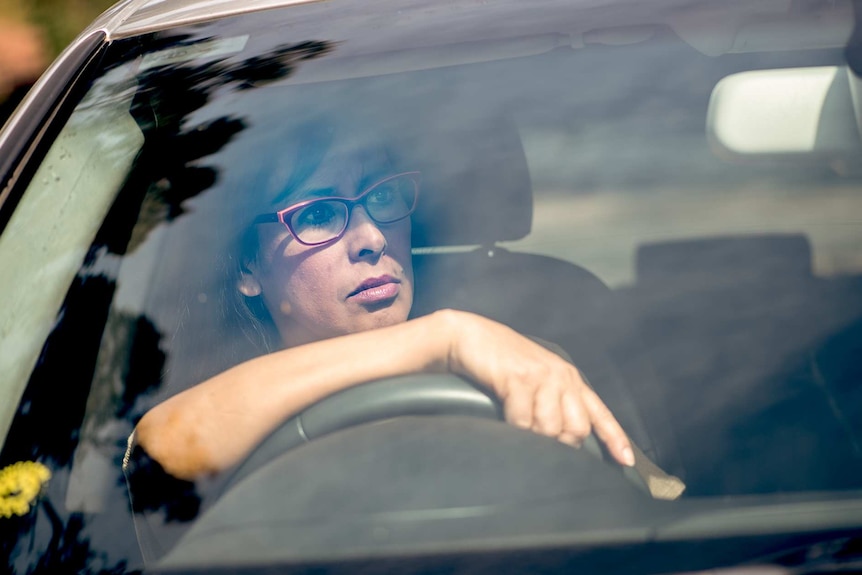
(793, 113)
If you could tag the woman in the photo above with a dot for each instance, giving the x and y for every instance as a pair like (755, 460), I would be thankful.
(335, 277)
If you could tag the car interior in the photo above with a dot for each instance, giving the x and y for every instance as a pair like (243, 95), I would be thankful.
(727, 353)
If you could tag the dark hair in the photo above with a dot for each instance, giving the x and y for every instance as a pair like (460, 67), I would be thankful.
(249, 314)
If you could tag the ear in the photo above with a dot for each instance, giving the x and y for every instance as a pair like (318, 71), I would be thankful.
(248, 285)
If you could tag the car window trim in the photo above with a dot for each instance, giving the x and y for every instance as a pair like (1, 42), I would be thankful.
(26, 129)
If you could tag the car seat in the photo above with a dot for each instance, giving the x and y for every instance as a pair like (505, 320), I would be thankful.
(476, 192)
(733, 325)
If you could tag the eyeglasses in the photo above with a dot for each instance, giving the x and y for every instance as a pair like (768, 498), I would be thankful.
(322, 220)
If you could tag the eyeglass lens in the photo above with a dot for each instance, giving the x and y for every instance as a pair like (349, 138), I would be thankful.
(324, 220)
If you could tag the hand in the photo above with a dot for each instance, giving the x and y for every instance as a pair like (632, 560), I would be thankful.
(539, 389)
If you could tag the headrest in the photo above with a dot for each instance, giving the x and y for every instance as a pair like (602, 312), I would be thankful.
(475, 185)
(725, 261)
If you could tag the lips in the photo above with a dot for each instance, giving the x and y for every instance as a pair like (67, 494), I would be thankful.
(377, 289)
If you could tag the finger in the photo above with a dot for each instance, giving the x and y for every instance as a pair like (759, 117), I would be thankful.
(547, 411)
(607, 429)
(576, 420)
(570, 439)
(518, 407)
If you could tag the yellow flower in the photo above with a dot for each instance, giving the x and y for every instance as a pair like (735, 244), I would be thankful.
(20, 485)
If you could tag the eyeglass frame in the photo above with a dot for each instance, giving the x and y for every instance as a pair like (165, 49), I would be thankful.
(283, 216)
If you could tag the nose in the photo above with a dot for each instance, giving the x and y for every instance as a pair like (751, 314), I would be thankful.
(364, 238)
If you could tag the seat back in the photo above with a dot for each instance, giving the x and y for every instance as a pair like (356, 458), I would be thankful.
(476, 192)
(733, 325)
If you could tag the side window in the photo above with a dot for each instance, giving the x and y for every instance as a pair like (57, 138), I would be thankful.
(48, 236)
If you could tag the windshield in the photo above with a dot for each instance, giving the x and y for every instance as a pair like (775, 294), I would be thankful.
(666, 197)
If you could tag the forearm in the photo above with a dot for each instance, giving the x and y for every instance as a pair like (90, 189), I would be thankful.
(213, 425)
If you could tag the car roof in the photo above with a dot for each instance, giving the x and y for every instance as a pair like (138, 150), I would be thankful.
(131, 17)
(775, 20)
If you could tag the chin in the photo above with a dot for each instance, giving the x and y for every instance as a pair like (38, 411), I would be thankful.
(384, 316)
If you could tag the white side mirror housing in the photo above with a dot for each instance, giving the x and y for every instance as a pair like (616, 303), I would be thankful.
(795, 112)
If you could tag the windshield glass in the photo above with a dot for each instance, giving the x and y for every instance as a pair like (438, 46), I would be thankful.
(633, 188)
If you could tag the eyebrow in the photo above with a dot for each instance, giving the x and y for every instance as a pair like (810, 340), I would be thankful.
(319, 193)
(311, 194)
(328, 191)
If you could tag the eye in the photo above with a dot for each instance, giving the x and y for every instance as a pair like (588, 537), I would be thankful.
(384, 194)
(316, 215)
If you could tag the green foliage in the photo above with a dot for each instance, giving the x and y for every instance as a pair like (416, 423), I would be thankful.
(62, 20)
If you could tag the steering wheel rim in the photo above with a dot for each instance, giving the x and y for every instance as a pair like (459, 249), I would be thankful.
(411, 395)
(418, 394)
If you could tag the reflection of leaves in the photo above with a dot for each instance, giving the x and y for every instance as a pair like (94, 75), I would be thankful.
(154, 489)
(66, 550)
(47, 423)
(50, 422)
(280, 63)
(71, 552)
(143, 372)
(168, 95)
(59, 390)
(131, 365)
(51, 426)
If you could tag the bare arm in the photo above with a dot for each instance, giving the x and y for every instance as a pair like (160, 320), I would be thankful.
(215, 424)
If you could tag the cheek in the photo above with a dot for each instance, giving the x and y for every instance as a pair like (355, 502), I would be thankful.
(312, 283)
(398, 242)
(296, 280)
(399, 249)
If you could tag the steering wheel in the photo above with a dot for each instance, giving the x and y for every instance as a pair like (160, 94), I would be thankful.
(373, 467)
(413, 395)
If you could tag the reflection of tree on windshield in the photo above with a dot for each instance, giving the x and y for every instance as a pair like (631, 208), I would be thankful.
(50, 424)
(168, 96)
(70, 552)
(166, 171)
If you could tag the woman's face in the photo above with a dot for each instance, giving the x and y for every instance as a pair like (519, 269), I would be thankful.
(361, 281)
